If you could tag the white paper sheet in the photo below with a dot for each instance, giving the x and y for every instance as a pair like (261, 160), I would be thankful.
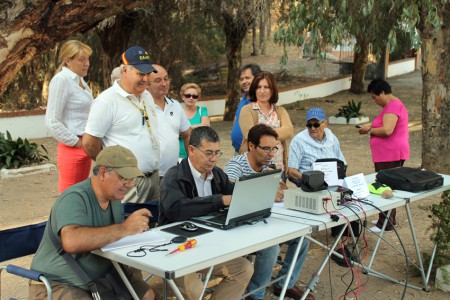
(149, 238)
(357, 183)
(329, 169)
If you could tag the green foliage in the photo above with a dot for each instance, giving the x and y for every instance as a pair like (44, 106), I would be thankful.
(351, 110)
(15, 154)
(333, 22)
(440, 215)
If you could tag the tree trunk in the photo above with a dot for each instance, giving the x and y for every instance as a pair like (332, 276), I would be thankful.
(359, 67)
(32, 27)
(268, 22)
(262, 32)
(436, 93)
(254, 44)
(234, 37)
(114, 42)
(235, 23)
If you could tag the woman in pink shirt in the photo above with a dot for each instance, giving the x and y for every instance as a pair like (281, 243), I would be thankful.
(389, 136)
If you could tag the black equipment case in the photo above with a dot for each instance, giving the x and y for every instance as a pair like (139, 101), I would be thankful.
(410, 179)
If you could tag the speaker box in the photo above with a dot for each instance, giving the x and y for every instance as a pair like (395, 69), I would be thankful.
(313, 181)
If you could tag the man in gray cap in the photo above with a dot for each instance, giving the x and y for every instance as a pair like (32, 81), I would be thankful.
(88, 216)
(124, 115)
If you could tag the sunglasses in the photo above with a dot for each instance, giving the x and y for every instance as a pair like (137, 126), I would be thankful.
(315, 125)
(187, 96)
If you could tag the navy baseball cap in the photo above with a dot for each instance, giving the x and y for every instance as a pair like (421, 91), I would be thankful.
(137, 57)
(315, 113)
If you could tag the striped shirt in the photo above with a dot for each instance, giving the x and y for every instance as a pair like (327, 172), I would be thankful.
(238, 166)
(304, 150)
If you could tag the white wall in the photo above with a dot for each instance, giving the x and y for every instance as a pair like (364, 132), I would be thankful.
(30, 127)
(401, 67)
(34, 127)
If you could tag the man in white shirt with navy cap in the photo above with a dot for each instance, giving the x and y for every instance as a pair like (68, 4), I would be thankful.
(124, 115)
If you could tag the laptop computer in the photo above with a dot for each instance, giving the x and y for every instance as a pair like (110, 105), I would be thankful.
(252, 200)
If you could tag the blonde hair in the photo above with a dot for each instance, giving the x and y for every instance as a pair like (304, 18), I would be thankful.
(71, 48)
(190, 86)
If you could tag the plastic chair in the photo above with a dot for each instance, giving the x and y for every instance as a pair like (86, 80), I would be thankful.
(18, 242)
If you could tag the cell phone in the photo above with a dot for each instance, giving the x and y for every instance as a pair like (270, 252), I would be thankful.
(358, 126)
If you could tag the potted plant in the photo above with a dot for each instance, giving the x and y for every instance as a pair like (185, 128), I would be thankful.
(20, 157)
(349, 114)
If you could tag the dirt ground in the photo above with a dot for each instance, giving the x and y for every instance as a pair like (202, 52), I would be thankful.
(29, 199)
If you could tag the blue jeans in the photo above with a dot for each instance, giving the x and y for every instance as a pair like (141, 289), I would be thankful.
(298, 264)
(264, 263)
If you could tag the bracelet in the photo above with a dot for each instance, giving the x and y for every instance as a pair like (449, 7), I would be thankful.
(368, 132)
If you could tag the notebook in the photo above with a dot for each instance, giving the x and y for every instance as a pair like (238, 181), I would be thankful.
(252, 199)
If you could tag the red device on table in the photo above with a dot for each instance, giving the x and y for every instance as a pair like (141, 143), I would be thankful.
(189, 244)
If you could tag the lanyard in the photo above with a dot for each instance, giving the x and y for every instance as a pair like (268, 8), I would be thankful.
(145, 119)
(144, 114)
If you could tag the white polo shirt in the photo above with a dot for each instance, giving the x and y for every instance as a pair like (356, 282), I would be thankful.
(115, 120)
(171, 122)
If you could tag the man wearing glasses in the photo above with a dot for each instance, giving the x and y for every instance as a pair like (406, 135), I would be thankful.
(172, 121)
(88, 216)
(262, 146)
(197, 187)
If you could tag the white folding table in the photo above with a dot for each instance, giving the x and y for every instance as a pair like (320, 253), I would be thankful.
(323, 221)
(212, 248)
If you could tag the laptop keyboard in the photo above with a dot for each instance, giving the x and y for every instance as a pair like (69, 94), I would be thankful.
(219, 219)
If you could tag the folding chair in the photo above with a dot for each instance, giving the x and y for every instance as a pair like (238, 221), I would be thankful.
(18, 242)
(152, 206)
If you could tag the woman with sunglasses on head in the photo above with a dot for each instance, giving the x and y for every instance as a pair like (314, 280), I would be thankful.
(197, 115)
(263, 110)
(68, 106)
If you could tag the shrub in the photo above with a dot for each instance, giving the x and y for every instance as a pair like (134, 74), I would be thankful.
(351, 110)
(15, 154)
(440, 215)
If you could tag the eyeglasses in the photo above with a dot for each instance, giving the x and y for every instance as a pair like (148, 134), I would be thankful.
(315, 125)
(210, 154)
(187, 96)
(268, 149)
(161, 80)
(122, 179)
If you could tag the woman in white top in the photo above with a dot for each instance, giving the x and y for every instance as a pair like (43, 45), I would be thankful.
(69, 102)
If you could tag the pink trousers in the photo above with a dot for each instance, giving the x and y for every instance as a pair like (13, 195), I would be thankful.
(74, 166)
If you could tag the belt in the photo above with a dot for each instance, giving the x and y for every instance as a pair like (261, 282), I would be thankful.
(150, 174)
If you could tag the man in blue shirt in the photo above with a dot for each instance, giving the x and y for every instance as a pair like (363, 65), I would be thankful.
(247, 73)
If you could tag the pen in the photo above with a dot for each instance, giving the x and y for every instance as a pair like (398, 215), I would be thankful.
(189, 244)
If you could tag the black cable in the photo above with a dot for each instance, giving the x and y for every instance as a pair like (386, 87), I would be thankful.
(326, 240)
(399, 239)
(359, 254)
